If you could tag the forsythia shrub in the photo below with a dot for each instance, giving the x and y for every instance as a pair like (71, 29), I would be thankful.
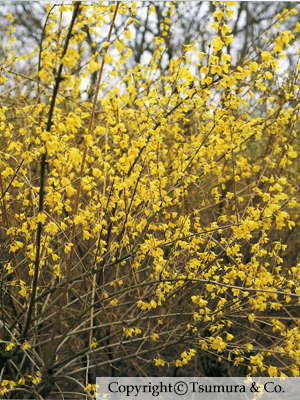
(153, 225)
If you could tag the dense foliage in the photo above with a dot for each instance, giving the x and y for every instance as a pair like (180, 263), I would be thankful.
(149, 207)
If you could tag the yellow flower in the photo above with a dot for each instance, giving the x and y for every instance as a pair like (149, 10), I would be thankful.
(94, 66)
(68, 247)
(217, 43)
(128, 34)
(225, 29)
(128, 331)
(86, 234)
(22, 292)
(272, 371)
(94, 343)
(9, 346)
(108, 59)
(215, 25)
(154, 337)
(295, 370)
(105, 45)
(266, 56)
(159, 361)
(228, 39)
(46, 136)
(216, 69)
(218, 14)
(10, 17)
(118, 46)
(229, 336)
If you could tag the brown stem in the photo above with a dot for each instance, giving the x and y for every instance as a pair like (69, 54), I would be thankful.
(43, 178)
(72, 238)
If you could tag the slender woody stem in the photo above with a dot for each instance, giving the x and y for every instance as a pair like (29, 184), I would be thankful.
(43, 179)
(72, 238)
